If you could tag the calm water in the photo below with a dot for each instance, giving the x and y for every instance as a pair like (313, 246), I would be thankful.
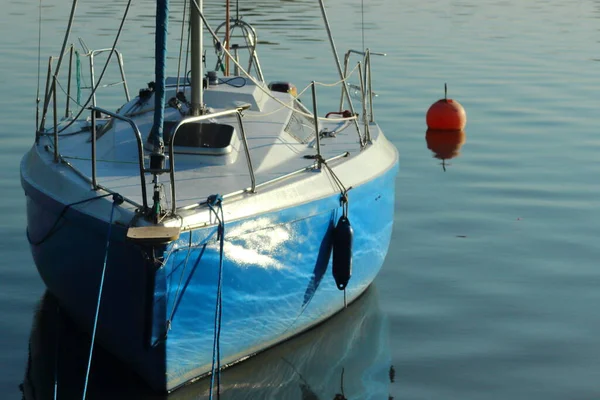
(491, 284)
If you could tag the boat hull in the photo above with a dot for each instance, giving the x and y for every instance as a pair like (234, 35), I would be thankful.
(158, 304)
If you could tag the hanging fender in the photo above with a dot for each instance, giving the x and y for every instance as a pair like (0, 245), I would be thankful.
(342, 252)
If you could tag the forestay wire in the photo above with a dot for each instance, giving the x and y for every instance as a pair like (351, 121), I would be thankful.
(181, 45)
(39, 66)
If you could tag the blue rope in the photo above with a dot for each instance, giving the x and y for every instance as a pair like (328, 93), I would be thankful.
(212, 202)
(117, 199)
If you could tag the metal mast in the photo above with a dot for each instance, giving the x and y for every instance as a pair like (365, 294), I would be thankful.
(196, 6)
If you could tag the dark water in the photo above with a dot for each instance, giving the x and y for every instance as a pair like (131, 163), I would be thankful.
(490, 287)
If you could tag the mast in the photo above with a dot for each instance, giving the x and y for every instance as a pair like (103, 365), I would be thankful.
(227, 27)
(197, 88)
(160, 56)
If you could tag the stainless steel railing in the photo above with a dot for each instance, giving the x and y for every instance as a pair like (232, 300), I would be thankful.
(171, 170)
(140, 148)
(94, 53)
(366, 86)
(52, 85)
(238, 113)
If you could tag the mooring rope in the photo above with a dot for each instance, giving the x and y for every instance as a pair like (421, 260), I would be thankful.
(344, 203)
(54, 227)
(187, 257)
(216, 201)
(340, 185)
(117, 200)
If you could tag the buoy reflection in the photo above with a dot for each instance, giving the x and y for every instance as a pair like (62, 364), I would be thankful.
(445, 145)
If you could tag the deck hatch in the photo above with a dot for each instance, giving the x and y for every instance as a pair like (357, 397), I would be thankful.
(201, 138)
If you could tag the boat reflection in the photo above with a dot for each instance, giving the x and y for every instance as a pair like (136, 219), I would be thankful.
(346, 357)
(445, 145)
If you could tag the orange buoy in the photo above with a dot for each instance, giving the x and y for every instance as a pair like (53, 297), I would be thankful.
(446, 114)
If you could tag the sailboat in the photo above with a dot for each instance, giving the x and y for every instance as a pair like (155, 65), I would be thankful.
(212, 216)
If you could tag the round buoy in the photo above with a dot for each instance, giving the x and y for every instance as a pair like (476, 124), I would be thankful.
(446, 114)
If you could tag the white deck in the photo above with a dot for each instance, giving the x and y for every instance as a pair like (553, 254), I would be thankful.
(273, 151)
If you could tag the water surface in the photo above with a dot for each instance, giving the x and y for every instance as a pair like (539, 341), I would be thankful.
(490, 286)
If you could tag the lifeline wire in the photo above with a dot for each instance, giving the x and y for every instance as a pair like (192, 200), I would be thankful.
(285, 106)
(117, 199)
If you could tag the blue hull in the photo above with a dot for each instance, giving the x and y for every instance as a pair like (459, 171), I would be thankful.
(276, 279)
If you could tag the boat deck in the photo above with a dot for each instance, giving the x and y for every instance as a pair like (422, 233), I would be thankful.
(280, 142)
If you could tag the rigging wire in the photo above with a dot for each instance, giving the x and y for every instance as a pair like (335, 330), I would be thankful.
(181, 45)
(61, 87)
(39, 66)
(60, 59)
(187, 49)
(251, 78)
(362, 23)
